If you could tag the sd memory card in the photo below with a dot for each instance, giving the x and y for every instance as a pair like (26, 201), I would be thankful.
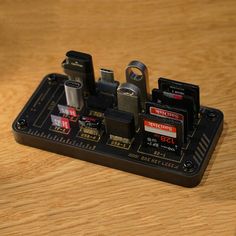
(175, 100)
(164, 111)
(182, 88)
(162, 133)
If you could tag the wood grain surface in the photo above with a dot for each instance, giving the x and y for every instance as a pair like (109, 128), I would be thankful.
(43, 193)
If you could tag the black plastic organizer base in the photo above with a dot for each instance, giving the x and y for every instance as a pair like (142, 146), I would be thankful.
(31, 128)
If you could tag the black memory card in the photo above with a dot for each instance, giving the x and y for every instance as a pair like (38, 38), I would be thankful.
(162, 133)
(165, 111)
(182, 88)
(175, 100)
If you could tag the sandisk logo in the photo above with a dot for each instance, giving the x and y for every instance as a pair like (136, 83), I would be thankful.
(164, 113)
(160, 129)
(159, 126)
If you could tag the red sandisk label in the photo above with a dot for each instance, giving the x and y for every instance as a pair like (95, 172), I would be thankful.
(164, 113)
(65, 123)
(72, 111)
(158, 128)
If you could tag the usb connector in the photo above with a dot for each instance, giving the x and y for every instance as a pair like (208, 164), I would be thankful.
(107, 75)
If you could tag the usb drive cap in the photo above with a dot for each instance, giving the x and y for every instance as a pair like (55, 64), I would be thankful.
(79, 66)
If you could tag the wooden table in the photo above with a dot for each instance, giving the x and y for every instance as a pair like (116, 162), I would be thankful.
(43, 193)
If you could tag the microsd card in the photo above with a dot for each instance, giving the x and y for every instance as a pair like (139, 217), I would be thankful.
(90, 122)
(162, 133)
(182, 88)
(69, 111)
(177, 101)
(164, 111)
(61, 122)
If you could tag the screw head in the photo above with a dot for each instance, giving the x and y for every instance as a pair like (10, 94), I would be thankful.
(188, 166)
(211, 115)
(21, 124)
(52, 78)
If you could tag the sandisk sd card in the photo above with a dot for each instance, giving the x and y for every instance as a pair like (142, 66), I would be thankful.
(177, 101)
(182, 88)
(164, 111)
(162, 133)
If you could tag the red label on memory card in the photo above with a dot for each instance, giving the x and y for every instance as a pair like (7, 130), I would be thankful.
(65, 123)
(72, 111)
(158, 128)
(164, 113)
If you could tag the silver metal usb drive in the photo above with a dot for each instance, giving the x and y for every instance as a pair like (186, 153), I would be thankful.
(128, 98)
(74, 94)
(139, 79)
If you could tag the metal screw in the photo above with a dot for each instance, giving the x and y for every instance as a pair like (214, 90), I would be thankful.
(188, 166)
(52, 78)
(21, 124)
(211, 115)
